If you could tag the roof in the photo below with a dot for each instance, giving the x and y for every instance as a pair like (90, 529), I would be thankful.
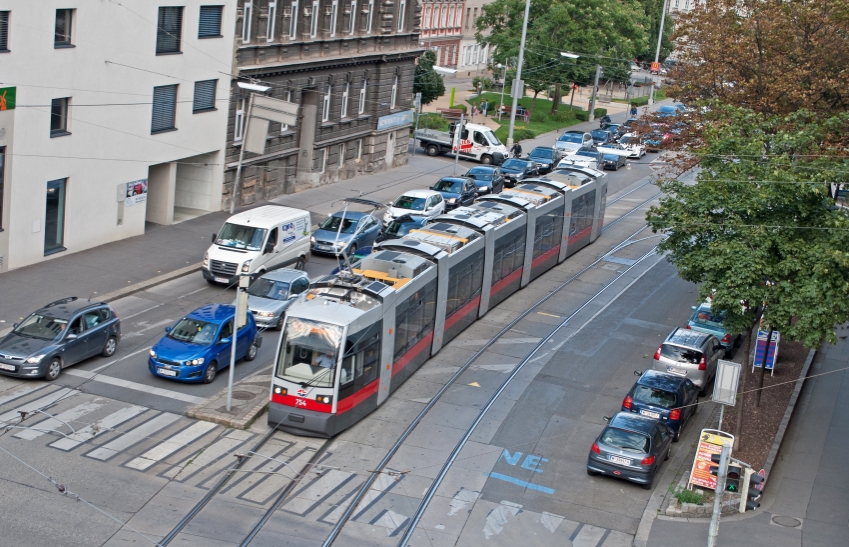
(455, 179)
(353, 215)
(421, 193)
(67, 307)
(266, 216)
(214, 313)
(634, 422)
(283, 274)
(687, 338)
(483, 169)
(661, 380)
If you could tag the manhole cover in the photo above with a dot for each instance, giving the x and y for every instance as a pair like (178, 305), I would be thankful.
(789, 522)
(243, 395)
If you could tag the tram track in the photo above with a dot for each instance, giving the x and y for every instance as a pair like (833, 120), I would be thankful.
(286, 493)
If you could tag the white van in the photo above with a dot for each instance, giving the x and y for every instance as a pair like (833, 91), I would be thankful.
(258, 240)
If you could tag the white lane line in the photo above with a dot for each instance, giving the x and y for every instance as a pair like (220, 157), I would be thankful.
(59, 421)
(133, 436)
(379, 487)
(110, 363)
(20, 392)
(87, 433)
(175, 443)
(316, 491)
(498, 517)
(141, 312)
(214, 451)
(13, 416)
(140, 332)
(391, 521)
(589, 536)
(461, 500)
(136, 386)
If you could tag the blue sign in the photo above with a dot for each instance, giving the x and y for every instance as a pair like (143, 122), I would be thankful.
(395, 120)
(761, 347)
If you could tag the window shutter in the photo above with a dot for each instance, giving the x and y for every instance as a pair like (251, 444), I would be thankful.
(164, 108)
(204, 95)
(210, 22)
(4, 30)
(169, 30)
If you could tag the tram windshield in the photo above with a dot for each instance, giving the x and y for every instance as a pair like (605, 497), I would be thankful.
(309, 353)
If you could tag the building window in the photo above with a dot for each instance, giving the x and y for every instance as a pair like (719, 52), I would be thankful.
(169, 30)
(443, 21)
(322, 159)
(2, 171)
(370, 12)
(293, 22)
(345, 95)
(62, 34)
(247, 17)
(468, 16)
(239, 126)
(334, 9)
(458, 17)
(285, 127)
(325, 104)
(272, 20)
(451, 16)
(59, 117)
(314, 20)
(426, 18)
(4, 31)
(360, 149)
(54, 217)
(210, 22)
(401, 11)
(394, 97)
(362, 105)
(352, 27)
(204, 96)
(341, 154)
(164, 108)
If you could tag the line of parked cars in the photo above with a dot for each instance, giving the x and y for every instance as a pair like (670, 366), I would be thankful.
(663, 400)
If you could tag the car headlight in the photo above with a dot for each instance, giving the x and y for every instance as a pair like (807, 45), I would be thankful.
(198, 361)
(312, 239)
(153, 354)
(206, 259)
(35, 359)
(246, 267)
(451, 200)
(266, 314)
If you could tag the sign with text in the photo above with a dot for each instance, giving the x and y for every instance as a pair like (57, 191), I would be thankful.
(395, 120)
(772, 355)
(725, 385)
(136, 192)
(710, 443)
(7, 98)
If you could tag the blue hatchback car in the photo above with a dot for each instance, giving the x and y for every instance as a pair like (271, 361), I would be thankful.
(665, 397)
(199, 345)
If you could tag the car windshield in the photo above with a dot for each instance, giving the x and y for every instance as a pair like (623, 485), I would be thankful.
(480, 175)
(587, 153)
(399, 229)
(410, 202)
(514, 164)
(241, 237)
(544, 153)
(268, 288)
(571, 137)
(349, 225)
(309, 353)
(493, 140)
(682, 355)
(653, 396)
(704, 316)
(630, 441)
(599, 134)
(194, 331)
(448, 186)
(611, 157)
(42, 327)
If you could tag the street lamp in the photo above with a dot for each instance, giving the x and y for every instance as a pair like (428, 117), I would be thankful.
(569, 55)
(518, 75)
(503, 84)
(657, 51)
(253, 88)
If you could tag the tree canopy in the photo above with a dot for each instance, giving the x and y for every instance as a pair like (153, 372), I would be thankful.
(427, 81)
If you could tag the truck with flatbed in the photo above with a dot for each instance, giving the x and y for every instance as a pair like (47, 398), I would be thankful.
(476, 142)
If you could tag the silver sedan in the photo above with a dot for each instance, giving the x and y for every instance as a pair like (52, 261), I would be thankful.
(271, 294)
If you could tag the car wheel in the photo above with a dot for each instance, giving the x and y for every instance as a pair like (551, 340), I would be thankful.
(54, 369)
(432, 150)
(486, 159)
(111, 347)
(677, 436)
(352, 249)
(591, 473)
(300, 264)
(668, 450)
(210, 372)
(252, 351)
(649, 485)
(279, 325)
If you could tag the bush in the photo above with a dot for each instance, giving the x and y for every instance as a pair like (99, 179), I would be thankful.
(476, 82)
(431, 120)
(688, 496)
(487, 84)
(539, 116)
(582, 115)
(600, 112)
(462, 107)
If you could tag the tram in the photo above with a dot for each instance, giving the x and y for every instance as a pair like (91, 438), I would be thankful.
(356, 336)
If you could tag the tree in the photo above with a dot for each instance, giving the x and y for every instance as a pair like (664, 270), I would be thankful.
(770, 56)
(428, 82)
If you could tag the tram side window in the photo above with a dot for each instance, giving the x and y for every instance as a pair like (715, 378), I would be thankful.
(464, 282)
(509, 255)
(548, 230)
(579, 213)
(414, 318)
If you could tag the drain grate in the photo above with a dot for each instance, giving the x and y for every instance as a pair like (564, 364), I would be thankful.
(788, 522)
(244, 395)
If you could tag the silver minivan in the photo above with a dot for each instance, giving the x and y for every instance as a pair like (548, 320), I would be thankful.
(691, 354)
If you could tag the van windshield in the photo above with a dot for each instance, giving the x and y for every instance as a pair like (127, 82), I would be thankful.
(241, 237)
(493, 140)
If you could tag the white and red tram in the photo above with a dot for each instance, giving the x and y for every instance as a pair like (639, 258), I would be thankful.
(354, 337)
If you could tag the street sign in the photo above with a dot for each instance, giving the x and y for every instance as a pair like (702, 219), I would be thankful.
(517, 90)
(725, 385)
(275, 110)
(772, 356)
(710, 443)
(418, 102)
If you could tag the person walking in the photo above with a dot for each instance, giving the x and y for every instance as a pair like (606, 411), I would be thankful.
(484, 107)
(474, 110)
(633, 111)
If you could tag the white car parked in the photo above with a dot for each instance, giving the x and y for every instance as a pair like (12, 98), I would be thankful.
(426, 203)
(629, 146)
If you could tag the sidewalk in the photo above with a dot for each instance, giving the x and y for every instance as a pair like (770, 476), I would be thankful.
(806, 499)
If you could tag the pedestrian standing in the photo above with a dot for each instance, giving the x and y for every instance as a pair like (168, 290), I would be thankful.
(633, 111)
(474, 110)
(484, 107)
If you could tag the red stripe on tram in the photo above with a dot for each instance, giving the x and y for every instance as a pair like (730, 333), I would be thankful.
(473, 304)
(505, 281)
(545, 256)
(346, 404)
(412, 353)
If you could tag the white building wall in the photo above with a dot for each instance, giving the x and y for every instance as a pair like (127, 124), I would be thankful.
(109, 76)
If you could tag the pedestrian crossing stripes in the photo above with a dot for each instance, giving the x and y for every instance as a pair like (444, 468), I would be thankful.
(52, 424)
(175, 443)
(132, 437)
(14, 416)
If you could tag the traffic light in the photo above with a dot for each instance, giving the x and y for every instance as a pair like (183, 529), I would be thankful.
(732, 475)
(750, 493)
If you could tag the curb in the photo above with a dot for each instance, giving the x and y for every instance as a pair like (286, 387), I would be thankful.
(212, 409)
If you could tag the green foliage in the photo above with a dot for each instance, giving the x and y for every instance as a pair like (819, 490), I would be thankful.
(688, 496)
(427, 81)
(582, 115)
(431, 120)
(599, 112)
(758, 225)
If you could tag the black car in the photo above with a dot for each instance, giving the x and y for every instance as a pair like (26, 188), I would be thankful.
(400, 227)
(631, 447)
(488, 179)
(613, 161)
(59, 335)
(516, 170)
(457, 191)
(546, 158)
(602, 136)
(669, 398)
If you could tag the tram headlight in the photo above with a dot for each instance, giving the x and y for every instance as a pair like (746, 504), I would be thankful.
(324, 399)
(280, 390)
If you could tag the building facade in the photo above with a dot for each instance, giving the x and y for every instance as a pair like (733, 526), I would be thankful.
(474, 57)
(349, 65)
(116, 116)
(442, 23)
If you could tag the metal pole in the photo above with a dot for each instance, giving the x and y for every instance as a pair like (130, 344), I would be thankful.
(418, 115)
(657, 51)
(458, 130)
(713, 531)
(232, 359)
(591, 116)
(241, 157)
(721, 413)
(518, 75)
(503, 85)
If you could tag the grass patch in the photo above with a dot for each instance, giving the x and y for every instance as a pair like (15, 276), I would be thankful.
(541, 119)
(659, 95)
(688, 496)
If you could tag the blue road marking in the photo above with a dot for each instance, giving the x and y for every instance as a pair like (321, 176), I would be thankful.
(519, 482)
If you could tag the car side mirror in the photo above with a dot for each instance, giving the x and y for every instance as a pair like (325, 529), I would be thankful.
(214, 237)
(269, 248)
(14, 325)
(70, 336)
(225, 340)
(606, 418)
(167, 329)
(637, 373)
(693, 307)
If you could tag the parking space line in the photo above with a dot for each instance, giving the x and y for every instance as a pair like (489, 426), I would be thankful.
(136, 386)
